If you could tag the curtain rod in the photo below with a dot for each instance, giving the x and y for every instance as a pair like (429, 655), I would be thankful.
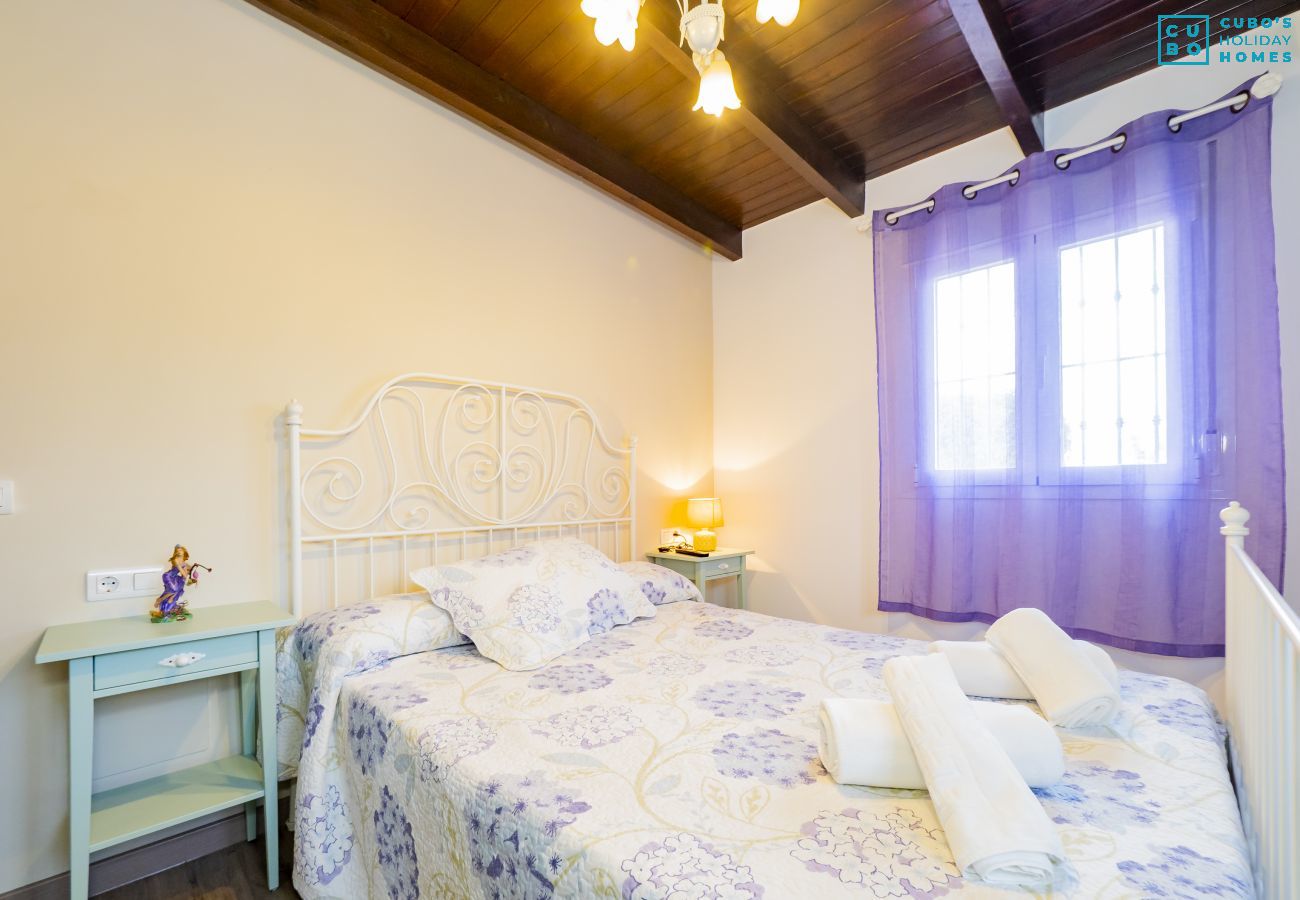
(1265, 86)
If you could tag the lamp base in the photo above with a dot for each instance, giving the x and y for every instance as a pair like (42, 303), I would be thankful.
(705, 541)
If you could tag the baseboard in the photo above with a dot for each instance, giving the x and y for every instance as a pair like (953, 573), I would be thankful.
(141, 862)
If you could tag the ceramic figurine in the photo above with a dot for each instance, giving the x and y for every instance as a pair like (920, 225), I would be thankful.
(171, 604)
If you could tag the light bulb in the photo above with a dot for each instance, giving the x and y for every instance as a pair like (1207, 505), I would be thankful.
(717, 90)
(783, 11)
(615, 20)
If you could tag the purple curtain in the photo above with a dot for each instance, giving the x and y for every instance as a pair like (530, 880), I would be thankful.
(1077, 371)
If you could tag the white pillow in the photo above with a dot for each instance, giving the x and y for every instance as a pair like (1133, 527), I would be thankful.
(660, 584)
(532, 603)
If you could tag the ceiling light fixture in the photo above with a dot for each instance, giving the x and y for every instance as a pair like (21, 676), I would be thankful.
(783, 11)
(717, 90)
(702, 29)
(615, 20)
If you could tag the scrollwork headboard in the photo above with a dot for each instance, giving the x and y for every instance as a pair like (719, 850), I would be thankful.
(437, 469)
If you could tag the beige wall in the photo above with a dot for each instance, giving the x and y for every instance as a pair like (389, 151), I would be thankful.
(795, 426)
(207, 214)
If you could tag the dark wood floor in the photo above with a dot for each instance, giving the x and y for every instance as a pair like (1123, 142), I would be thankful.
(231, 874)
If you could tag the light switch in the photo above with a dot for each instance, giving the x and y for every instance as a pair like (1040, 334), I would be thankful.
(6, 498)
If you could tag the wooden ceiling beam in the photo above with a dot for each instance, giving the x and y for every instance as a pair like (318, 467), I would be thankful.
(763, 112)
(985, 29)
(375, 37)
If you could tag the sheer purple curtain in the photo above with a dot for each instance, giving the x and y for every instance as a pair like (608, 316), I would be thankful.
(1076, 372)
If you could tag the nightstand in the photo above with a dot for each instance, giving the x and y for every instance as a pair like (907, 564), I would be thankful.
(119, 656)
(720, 563)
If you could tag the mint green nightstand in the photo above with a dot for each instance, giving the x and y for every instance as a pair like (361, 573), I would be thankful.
(118, 656)
(720, 563)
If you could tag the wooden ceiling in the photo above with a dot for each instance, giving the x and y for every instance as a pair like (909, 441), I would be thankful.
(852, 90)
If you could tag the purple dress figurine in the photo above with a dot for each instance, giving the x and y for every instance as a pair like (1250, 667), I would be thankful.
(170, 605)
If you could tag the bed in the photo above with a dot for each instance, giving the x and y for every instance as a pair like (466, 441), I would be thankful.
(674, 756)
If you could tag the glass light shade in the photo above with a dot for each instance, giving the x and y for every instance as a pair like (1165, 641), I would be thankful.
(783, 11)
(616, 20)
(704, 512)
(717, 90)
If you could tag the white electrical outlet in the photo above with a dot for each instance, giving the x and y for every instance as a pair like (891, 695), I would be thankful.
(121, 583)
(6, 498)
(671, 535)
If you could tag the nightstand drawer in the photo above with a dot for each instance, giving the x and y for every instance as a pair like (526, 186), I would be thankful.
(712, 568)
(152, 663)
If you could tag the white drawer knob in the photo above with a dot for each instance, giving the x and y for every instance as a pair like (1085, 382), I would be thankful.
(724, 565)
(180, 660)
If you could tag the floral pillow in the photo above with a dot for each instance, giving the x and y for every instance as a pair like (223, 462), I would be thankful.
(316, 654)
(660, 584)
(530, 604)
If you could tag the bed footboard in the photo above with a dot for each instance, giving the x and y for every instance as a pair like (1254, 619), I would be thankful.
(1262, 687)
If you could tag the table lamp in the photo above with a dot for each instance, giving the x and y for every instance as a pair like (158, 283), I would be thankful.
(705, 514)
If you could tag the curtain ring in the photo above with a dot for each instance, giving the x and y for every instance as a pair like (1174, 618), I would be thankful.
(1242, 105)
(1057, 162)
(891, 219)
(968, 193)
(1122, 144)
(1172, 127)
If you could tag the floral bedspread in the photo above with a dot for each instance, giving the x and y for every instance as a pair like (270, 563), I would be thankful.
(676, 757)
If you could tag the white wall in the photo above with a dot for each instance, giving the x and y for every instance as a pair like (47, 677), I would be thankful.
(206, 214)
(795, 424)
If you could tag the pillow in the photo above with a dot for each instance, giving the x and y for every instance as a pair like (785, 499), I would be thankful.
(532, 603)
(660, 584)
(315, 655)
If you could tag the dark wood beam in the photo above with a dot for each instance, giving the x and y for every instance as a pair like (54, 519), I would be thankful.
(375, 37)
(985, 29)
(763, 112)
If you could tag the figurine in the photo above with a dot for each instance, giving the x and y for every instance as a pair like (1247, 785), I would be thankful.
(171, 605)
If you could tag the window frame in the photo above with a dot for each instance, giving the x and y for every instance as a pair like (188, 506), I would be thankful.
(978, 257)
(1039, 402)
(1051, 469)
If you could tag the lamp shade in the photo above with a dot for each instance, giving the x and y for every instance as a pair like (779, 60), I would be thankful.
(783, 11)
(704, 512)
(717, 90)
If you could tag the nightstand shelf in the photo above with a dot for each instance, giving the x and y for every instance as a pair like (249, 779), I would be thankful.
(720, 563)
(146, 806)
(118, 656)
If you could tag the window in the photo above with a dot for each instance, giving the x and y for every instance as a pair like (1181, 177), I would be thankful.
(975, 370)
(1092, 377)
(1114, 402)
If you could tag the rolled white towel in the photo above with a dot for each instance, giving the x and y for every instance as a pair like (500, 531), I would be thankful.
(862, 742)
(984, 672)
(1065, 682)
(996, 828)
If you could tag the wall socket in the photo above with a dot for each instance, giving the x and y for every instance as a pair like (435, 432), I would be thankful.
(668, 535)
(119, 583)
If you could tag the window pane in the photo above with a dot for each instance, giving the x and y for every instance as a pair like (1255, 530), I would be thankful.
(1002, 309)
(1113, 378)
(1071, 416)
(1098, 285)
(947, 329)
(974, 370)
(1100, 415)
(1071, 307)
(1139, 412)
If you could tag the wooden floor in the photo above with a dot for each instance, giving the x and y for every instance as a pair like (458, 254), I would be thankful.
(231, 874)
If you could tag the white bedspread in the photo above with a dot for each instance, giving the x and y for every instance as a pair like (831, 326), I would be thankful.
(678, 757)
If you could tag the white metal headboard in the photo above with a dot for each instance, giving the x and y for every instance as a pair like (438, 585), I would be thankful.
(436, 466)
